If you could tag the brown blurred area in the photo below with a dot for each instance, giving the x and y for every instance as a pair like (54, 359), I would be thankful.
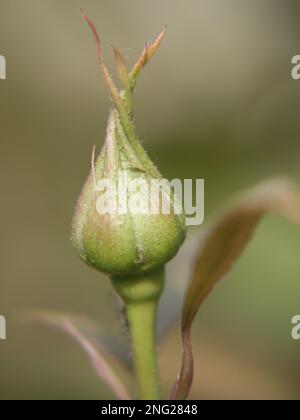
(217, 102)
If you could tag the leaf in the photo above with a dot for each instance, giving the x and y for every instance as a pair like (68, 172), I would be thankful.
(81, 329)
(223, 243)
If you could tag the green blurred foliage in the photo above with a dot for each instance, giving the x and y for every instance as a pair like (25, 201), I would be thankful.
(217, 102)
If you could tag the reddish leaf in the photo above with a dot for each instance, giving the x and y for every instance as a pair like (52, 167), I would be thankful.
(223, 243)
(81, 330)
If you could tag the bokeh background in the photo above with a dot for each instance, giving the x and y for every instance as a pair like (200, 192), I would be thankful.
(217, 102)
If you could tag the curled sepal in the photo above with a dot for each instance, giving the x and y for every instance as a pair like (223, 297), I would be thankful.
(147, 53)
(122, 102)
(222, 244)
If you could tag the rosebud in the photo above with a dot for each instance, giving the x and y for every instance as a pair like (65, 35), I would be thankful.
(121, 241)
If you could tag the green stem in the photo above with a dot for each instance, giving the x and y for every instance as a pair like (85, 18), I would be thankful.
(141, 318)
(141, 295)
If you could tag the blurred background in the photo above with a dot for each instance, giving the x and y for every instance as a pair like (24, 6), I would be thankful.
(217, 102)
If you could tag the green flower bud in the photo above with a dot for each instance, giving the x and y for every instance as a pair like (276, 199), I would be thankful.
(121, 241)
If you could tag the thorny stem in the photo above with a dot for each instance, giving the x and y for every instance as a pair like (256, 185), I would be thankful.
(140, 295)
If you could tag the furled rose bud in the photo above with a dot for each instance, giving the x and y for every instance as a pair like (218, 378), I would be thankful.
(126, 220)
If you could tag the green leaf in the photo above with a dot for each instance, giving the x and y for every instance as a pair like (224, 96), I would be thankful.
(122, 70)
(83, 331)
(223, 242)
